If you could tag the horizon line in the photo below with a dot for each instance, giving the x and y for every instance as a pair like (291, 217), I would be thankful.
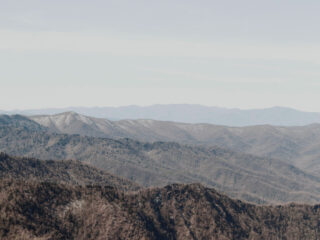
(153, 105)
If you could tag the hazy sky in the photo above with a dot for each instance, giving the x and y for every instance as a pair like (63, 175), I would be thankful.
(245, 54)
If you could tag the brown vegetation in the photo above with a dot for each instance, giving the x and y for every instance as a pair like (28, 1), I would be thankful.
(34, 210)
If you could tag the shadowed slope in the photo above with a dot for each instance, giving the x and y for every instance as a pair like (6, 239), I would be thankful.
(67, 172)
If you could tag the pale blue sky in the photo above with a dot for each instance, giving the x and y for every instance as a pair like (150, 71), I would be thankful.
(244, 54)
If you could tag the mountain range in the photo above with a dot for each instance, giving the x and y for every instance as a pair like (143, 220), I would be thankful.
(148, 179)
(278, 116)
(245, 176)
(296, 145)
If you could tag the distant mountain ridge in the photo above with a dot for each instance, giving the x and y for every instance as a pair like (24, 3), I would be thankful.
(278, 116)
(297, 145)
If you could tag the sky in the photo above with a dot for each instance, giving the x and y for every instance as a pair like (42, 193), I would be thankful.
(236, 54)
